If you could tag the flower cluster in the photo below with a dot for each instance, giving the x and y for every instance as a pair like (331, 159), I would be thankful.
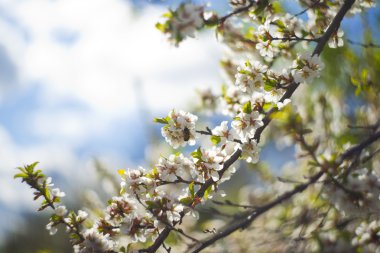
(176, 167)
(367, 236)
(247, 121)
(306, 68)
(250, 78)
(94, 242)
(358, 195)
(183, 22)
(179, 128)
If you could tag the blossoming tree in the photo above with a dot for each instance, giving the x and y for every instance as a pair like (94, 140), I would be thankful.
(328, 201)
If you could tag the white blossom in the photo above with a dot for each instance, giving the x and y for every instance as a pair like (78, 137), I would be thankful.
(94, 242)
(224, 133)
(249, 78)
(175, 166)
(134, 181)
(267, 48)
(60, 210)
(250, 150)
(360, 195)
(246, 124)
(306, 68)
(184, 22)
(336, 39)
(209, 164)
(180, 129)
(52, 228)
(57, 192)
(367, 234)
(82, 215)
(281, 105)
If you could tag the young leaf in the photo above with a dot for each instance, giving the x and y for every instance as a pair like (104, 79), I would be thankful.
(186, 201)
(207, 192)
(162, 120)
(215, 139)
(191, 189)
(247, 108)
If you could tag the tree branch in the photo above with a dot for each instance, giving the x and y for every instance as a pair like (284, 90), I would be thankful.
(249, 217)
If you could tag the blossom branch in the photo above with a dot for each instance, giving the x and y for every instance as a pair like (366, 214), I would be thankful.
(333, 27)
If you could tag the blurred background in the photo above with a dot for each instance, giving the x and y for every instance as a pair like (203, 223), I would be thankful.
(80, 82)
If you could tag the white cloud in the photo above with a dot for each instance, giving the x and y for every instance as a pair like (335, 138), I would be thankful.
(113, 47)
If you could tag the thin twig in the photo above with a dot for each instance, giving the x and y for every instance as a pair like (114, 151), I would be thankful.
(305, 10)
(237, 11)
(365, 45)
(356, 149)
(229, 203)
(295, 38)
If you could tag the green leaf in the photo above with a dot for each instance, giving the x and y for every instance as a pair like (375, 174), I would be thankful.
(280, 24)
(74, 236)
(261, 7)
(30, 168)
(197, 153)
(215, 139)
(20, 175)
(162, 120)
(267, 106)
(224, 90)
(277, 7)
(247, 108)
(358, 90)
(55, 218)
(313, 163)
(186, 201)
(161, 27)
(207, 192)
(168, 14)
(150, 204)
(279, 115)
(306, 131)
(269, 84)
(354, 81)
(191, 189)
(364, 75)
